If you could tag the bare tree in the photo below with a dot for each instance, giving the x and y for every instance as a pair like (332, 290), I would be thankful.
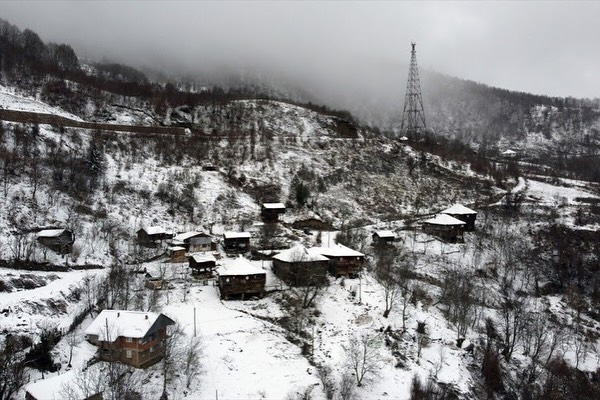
(537, 337)
(72, 339)
(324, 372)
(459, 293)
(346, 388)
(391, 271)
(85, 384)
(171, 355)
(90, 292)
(363, 357)
(11, 367)
(9, 160)
(193, 361)
(511, 311)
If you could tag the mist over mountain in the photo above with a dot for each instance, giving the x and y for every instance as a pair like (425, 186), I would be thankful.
(271, 208)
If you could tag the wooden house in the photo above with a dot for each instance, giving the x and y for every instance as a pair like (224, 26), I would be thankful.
(176, 254)
(131, 337)
(343, 261)
(299, 267)
(64, 386)
(58, 240)
(239, 278)
(464, 214)
(202, 265)
(236, 242)
(270, 212)
(151, 236)
(445, 227)
(193, 241)
(383, 237)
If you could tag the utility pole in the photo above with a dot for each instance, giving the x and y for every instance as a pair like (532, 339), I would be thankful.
(413, 116)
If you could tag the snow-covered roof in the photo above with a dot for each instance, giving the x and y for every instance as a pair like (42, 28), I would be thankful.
(155, 230)
(57, 387)
(176, 248)
(404, 138)
(509, 152)
(236, 235)
(336, 250)
(239, 266)
(299, 253)
(187, 235)
(133, 324)
(273, 205)
(385, 233)
(444, 219)
(203, 257)
(459, 209)
(50, 233)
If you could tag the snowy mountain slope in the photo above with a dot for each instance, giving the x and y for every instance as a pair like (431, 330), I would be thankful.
(10, 99)
(106, 186)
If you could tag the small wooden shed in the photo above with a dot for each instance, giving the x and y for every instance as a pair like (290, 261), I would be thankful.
(445, 227)
(202, 265)
(464, 214)
(270, 212)
(239, 278)
(58, 240)
(383, 237)
(299, 267)
(236, 242)
(153, 283)
(176, 254)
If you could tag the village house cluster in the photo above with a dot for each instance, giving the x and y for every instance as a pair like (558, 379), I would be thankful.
(136, 338)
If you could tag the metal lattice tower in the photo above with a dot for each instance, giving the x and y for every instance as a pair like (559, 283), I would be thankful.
(413, 116)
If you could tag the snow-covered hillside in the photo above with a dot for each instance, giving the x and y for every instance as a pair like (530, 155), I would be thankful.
(105, 186)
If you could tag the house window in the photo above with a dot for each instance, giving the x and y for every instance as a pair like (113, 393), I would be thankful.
(128, 354)
(128, 339)
(152, 349)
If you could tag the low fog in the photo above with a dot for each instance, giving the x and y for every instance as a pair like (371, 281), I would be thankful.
(352, 55)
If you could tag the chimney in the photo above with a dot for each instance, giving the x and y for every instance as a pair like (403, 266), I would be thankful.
(118, 314)
(146, 316)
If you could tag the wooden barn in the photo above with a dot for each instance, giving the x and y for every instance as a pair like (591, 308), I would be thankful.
(131, 337)
(58, 240)
(152, 235)
(270, 212)
(236, 242)
(343, 261)
(383, 237)
(194, 241)
(176, 254)
(239, 278)
(299, 267)
(464, 214)
(445, 227)
(202, 265)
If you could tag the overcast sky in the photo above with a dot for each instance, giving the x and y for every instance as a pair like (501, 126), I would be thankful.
(541, 47)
